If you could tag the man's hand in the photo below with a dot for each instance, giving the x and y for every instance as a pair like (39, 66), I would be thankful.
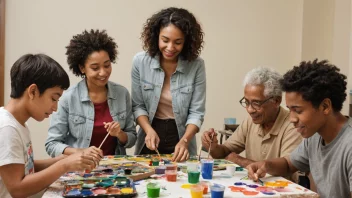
(209, 137)
(257, 170)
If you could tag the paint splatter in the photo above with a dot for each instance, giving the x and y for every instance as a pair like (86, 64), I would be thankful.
(249, 193)
(236, 189)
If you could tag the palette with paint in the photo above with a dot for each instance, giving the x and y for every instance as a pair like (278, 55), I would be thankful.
(111, 159)
(148, 158)
(220, 164)
(132, 170)
(112, 186)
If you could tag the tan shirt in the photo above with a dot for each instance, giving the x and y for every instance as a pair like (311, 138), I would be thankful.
(280, 141)
(164, 110)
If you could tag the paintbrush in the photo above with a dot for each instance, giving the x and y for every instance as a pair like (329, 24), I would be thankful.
(104, 140)
(156, 150)
(199, 151)
(212, 137)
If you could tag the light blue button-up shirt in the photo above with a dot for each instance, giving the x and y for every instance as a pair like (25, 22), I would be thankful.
(72, 124)
(188, 91)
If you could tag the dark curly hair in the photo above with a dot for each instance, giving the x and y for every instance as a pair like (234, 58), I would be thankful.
(316, 81)
(82, 45)
(182, 19)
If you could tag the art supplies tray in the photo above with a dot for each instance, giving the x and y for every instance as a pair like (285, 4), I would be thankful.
(93, 186)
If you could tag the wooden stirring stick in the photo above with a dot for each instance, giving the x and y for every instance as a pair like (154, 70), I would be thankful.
(212, 137)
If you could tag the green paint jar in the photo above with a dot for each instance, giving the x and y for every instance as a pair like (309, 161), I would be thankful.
(153, 190)
(193, 177)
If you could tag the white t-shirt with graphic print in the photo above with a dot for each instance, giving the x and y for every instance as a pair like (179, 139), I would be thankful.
(15, 146)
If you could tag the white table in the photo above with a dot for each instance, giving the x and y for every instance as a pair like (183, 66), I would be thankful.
(173, 189)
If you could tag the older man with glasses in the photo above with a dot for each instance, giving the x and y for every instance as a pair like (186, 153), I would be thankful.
(267, 133)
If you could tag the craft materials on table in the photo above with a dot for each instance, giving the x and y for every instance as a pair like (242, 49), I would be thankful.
(112, 178)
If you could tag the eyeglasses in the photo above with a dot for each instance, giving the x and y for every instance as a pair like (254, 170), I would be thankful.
(255, 104)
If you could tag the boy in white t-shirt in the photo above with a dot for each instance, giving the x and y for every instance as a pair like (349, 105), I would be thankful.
(37, 82)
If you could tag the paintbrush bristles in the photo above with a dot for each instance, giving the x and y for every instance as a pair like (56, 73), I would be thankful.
(156, 150)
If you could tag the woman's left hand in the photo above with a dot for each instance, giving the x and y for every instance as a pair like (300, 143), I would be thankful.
(113, 128)
(181, 151)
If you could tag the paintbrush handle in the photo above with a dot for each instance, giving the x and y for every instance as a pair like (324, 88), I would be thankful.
(212, 137)
(104, 140)
(156, 150)
(199, 151)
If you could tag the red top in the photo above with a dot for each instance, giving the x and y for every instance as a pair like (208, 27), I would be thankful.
(102, 114)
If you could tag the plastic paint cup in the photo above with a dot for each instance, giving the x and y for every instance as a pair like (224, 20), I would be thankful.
(153, 190)
(193, 177)
(192, 166)
(171, 167)
(204, 184)
(207, 166)
(160, 170)
(196, 191)
(171, 175)
(155, 162)
(217, 191)
(230, 169)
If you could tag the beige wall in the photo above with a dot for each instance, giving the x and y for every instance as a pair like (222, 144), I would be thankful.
(239, 35)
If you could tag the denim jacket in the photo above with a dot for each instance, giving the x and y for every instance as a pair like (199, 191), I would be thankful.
(188, 86)
(72, 124)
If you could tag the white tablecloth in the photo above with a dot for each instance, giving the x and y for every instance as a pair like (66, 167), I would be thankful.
(174, 190)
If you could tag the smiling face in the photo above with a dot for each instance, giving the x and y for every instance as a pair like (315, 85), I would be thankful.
(171, 42)
(267, 111)
(97, 69)
(41, 106)
(306, 119)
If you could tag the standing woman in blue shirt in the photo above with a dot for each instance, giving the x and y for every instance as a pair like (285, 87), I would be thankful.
(169, 84)
(95, 106)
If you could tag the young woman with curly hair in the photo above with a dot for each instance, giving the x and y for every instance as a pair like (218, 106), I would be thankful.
(95, 106)
(169, 84)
